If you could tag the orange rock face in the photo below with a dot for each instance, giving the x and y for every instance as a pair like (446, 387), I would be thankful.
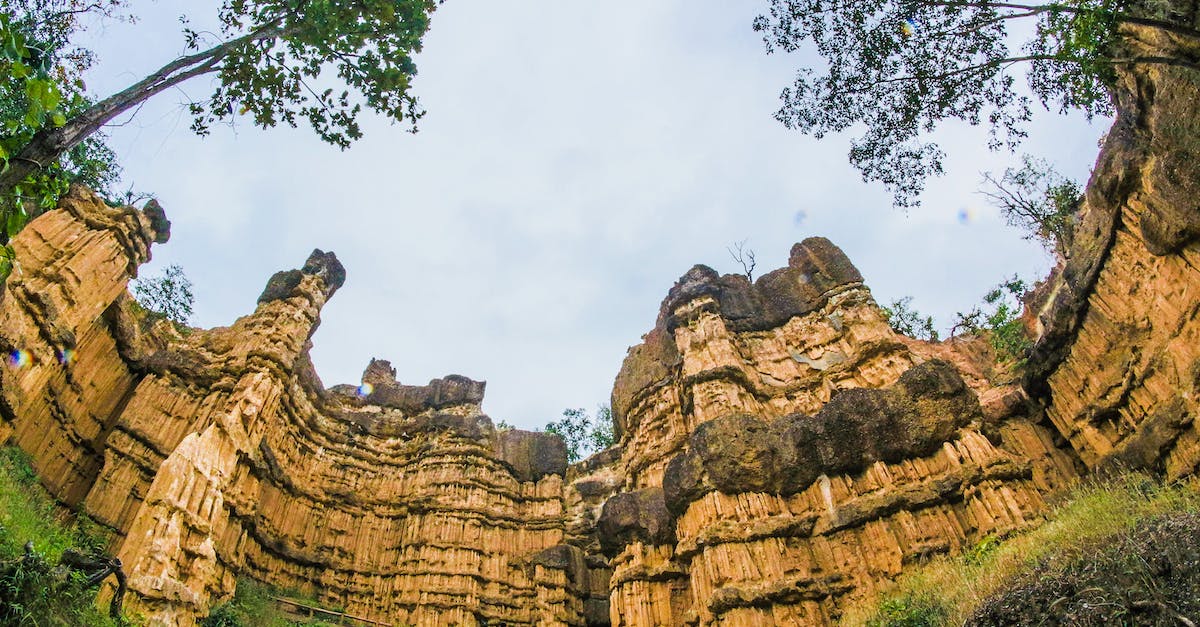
(780, 450)
(213, 454)
(802, 453)
(1118, 359)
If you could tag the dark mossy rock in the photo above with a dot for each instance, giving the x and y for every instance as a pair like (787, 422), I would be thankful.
(639, 516)
(281, 285)
(532, 455)
(856, 428)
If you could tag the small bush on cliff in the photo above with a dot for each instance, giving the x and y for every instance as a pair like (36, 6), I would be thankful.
(584, 434)
(999, 319)
(1039, 201)
(908, 321)
(168, 294)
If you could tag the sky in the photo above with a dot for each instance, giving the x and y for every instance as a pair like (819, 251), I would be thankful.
(576, 159)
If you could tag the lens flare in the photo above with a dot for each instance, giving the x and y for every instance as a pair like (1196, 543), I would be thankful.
(65, 356)
(964, 216)
(908, 28)
(365, 390)
(19, 358)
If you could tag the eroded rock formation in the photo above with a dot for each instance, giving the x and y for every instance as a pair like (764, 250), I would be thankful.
(1117, 362)
(215, 453)
(771, 434)
(781, 451)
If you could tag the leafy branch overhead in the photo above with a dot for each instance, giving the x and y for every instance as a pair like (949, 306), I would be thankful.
(899, 68)
(269, 61)
(1039, 201)
(40, 87)
(168, 294)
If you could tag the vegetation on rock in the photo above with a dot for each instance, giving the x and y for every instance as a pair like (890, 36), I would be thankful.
(584, 434)
(906, 320)
(253, 605)
(34, 588)
(1125, 545)
(1039, 201)
(42, 88)
(168, 294)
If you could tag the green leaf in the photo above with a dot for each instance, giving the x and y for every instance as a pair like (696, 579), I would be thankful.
(16, 221)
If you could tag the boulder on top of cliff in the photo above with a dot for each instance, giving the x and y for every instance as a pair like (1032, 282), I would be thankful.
(449, 391)
(321, 264)
(532, 455)
(858, 427)
(815, 268)
(639, 516)
(158, 221)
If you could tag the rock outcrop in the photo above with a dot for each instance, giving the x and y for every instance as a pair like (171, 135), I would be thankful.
(781, 451)
(210, 454)
(770, 432)
(1117, 363)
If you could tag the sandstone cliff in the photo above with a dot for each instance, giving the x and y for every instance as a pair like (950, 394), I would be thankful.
(781, 451)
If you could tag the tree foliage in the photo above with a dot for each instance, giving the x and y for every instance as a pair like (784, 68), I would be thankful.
(41, 86)
(999, 319)
(906, 320)
(168, 294)
(271, 61)
(1039, 201)
(899, 68)
(583, 433)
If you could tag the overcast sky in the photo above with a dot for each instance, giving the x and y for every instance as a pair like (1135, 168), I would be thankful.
(576, 159)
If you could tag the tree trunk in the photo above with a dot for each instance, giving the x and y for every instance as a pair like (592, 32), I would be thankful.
(49, 144)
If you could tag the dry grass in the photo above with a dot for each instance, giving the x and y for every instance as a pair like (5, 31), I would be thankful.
(947, 589)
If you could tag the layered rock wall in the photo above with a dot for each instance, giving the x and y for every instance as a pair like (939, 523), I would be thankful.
(784, 451)
(1117, 363)
(781, 452)
(212, 454)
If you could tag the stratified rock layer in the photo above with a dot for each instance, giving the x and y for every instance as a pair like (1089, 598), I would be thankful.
(783, 450)
(770, 433)
(1118, 359)
(213, 454)
(780, 450)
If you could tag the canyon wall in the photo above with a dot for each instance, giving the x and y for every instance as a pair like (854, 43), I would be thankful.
(1117, 361)
(780, 451)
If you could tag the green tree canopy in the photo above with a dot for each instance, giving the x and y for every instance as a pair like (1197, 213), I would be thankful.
(271, 61)
(584, 434)
(168, 294)
(41, 88)
(898, 68)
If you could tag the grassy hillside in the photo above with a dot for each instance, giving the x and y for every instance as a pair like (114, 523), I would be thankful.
(31, 592)
(1125, 551)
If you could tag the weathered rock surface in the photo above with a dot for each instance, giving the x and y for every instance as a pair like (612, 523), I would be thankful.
(805, 453)
(780, 450)
(793, 428)
(212, 454)
(1118, 359)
